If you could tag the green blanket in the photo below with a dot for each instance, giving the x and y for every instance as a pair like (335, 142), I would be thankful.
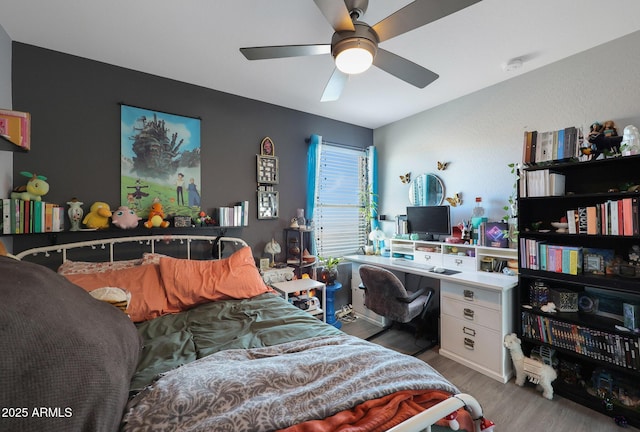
(265, 320)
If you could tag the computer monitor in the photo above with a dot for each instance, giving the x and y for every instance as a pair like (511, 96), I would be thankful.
(429, 222)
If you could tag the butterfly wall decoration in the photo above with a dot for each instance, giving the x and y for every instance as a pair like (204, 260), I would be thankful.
(405, 178)
(442, 165)
(454, 201)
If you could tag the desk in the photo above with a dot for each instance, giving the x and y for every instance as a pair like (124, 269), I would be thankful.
(476, 312)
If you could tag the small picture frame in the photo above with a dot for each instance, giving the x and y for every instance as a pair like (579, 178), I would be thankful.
(597, 261)
(267, 148)
(268, 207)
(182, 221)
(265, 263)
(593, 264)
(268, 170)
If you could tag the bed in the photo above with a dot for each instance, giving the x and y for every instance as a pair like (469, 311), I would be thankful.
(200, 344)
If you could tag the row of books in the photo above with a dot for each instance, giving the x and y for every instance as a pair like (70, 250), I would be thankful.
(24, 217)
(15, 126)
(238, 215)
(600, 345)
(538, 255)
(541, 183)
(613, 217)
(542, 147)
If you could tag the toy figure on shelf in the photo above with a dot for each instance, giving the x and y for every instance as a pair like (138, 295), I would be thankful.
(603, 139)
(75, 213)
(125, 218)
(156, 217)
(34, 190)
(98, 216)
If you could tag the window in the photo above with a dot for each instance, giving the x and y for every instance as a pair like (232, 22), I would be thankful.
(341, 182)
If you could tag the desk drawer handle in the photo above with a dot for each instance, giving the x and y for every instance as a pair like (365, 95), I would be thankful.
(458, 261)
(469, 344)
(468, 313)
(468, 295)
(468, 331)
(427, 257)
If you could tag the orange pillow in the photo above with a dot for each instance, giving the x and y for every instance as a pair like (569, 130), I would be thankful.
(148, 299)
(189, 283)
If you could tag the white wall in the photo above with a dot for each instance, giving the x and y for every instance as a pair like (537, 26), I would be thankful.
(6, 158)
(480, 134)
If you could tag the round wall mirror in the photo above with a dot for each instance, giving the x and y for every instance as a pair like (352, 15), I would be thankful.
(426, 190)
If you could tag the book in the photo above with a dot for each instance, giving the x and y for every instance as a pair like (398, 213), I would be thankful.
(556, 184)
(591, 220)
(572, 221)
(17, 127)
(560, 144)
(6, 216)
(634, 216)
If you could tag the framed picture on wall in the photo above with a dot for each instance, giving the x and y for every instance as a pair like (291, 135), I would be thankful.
(268, 207)
(268, 169)
(267, 148)
(160, 161)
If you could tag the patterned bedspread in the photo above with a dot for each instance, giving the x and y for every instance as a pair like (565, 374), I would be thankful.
(270, 388)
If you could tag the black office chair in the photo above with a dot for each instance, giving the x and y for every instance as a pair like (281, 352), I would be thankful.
(386, 295)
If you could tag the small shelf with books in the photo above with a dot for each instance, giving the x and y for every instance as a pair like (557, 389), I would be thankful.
(579, 247)
(6, 145)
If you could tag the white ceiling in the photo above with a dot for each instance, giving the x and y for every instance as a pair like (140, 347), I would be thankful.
(198, 41)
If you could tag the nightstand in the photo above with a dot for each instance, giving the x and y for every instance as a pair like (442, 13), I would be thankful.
(289, 287)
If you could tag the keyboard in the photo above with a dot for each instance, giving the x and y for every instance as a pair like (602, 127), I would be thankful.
(411, 263)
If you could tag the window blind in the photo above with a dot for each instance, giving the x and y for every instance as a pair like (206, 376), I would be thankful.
(338, 218)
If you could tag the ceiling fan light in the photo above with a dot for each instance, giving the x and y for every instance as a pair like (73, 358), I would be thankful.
(354, 56)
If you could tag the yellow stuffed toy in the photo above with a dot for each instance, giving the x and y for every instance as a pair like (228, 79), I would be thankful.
(98, 216)
(156, 217)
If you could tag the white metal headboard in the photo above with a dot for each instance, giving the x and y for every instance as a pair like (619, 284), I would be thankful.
(148, 240)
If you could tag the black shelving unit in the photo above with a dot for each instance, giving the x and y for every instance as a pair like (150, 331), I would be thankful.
(299, 238)
(594, 378)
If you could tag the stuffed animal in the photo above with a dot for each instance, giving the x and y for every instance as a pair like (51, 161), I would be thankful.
(536, 371)
(156, 217)
(35, 188)
(98, 216)
(125, 218)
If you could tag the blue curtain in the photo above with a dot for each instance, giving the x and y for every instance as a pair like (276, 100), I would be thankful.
(313, 153)
(372, 155)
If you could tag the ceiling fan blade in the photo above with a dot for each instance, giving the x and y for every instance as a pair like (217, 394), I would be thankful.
(269, 52)
(404, 69)
(336, 12)
(334, 87)
(417, 14)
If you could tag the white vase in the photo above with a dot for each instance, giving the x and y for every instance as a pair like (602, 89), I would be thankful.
(75, 213)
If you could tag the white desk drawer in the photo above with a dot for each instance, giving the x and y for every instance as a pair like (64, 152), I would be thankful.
(471, 295)
(428, 258)
(475, 343)
(472, 313)
(459, 262)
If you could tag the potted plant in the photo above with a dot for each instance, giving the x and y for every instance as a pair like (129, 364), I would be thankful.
(329, 272)
(511, 209)
(369, 210)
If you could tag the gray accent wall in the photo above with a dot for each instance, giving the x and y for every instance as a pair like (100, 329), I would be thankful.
(74, 103)
(6, 157)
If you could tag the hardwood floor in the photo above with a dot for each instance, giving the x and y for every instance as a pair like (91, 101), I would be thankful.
(511, 407)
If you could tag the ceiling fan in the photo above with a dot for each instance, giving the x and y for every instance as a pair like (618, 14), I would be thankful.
(354, 44)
